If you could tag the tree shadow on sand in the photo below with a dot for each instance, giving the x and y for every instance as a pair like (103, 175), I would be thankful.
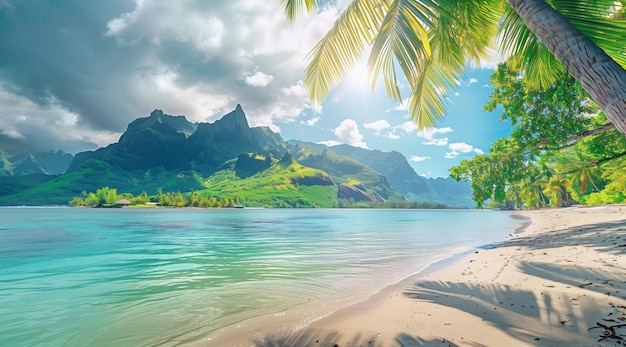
(315, 338)
(536, 311)
(526, 315)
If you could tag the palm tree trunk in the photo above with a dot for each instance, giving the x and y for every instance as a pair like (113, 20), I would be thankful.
(600, 75)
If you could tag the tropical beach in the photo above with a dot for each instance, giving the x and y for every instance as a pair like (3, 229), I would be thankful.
(560, 282)
(405, 173)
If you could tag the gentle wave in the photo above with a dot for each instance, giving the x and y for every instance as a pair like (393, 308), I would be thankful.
(133, 277)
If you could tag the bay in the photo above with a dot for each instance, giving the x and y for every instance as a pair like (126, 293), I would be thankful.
(169, 277)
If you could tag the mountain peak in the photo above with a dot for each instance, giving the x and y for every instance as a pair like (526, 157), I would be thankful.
(235, 122)
(157, 114)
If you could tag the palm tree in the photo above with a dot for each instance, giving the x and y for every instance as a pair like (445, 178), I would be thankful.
(556, 190)
(431, 41)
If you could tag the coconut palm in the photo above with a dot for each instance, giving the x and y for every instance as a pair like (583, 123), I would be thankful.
(556, 190)
(430, 41)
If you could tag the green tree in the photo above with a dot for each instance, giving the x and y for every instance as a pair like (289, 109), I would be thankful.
(141, 199)
(431, 41)
(77, 201)
(554, 147)
(106, 195)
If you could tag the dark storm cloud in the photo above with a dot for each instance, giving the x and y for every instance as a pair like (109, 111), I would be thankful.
(77, 72)
(56, 52)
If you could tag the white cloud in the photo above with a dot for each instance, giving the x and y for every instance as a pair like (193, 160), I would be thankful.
(472, 81)
(48, 126)
(378, 126)
(310, 122)
(430, 132)
(392, 135)
(418, 159)
(160, 21)
(330, 143)
(260, 47)
(348, 131)
(408, 127)
(461, 147)
(259, 79)
(451, 155)
(400, 107)
(436, 142)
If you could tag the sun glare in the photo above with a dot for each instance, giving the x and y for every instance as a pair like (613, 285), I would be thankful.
(358, 77)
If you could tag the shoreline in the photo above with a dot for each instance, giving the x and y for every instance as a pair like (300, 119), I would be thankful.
(550, 284)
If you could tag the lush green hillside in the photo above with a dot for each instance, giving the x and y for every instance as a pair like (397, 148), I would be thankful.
(369, 184)
(284, 183)
(94, 174)
(398, 173)
(226, 161)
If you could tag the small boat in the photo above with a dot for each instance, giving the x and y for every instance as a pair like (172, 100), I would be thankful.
(239, 206)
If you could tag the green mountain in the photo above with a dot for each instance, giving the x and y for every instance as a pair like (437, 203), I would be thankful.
(355, 180)
(226, 159)
(255, 180)
(18, 158)
(400, 175)
(175, 144)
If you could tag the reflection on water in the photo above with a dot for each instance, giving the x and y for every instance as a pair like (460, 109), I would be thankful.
(132, 277)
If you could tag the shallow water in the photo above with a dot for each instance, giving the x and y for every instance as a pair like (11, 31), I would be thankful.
(167, 277)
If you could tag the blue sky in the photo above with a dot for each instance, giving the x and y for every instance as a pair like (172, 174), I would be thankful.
(73, 74)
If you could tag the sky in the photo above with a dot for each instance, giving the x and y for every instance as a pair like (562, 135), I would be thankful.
(74, 73)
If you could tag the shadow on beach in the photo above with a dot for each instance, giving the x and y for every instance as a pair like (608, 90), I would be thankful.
(564, 302)
(311, 338)
(552, 302)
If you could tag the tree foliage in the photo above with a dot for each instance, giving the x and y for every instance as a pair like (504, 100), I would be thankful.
(430, 42)
(561, 150)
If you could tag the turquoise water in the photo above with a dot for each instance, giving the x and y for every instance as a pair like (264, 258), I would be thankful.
(168, 277)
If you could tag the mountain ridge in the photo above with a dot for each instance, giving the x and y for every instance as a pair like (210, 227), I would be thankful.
(170, 152)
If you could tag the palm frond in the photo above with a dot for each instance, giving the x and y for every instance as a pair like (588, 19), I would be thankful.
(593, 18)
(596, 20)
(462, 29)
(343, 45)
(428, 99)
(295, 9)
(527, 53)
(470, 25)
(403, 38)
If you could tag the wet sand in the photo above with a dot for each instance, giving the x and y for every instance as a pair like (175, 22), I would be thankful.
(559, 282)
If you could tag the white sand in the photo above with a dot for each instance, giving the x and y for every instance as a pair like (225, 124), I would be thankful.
(546, 286)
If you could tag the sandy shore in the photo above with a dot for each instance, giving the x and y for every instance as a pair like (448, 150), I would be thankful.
(549, 285)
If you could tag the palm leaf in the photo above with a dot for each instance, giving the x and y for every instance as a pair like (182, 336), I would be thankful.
(527, 53)
(471, 25)
(593, 18)
(461, 30)
(428, 99)
(342, 46)
(403, 38)
(294, 9)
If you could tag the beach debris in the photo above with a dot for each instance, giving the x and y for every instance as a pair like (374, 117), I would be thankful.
(609, 331)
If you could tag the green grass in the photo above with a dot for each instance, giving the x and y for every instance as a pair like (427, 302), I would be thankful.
(95, 174)
(273, 187)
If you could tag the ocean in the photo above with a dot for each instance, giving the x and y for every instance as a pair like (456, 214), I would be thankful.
(171, 277)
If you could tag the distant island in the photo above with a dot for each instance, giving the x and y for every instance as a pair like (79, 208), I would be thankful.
(169, 161)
